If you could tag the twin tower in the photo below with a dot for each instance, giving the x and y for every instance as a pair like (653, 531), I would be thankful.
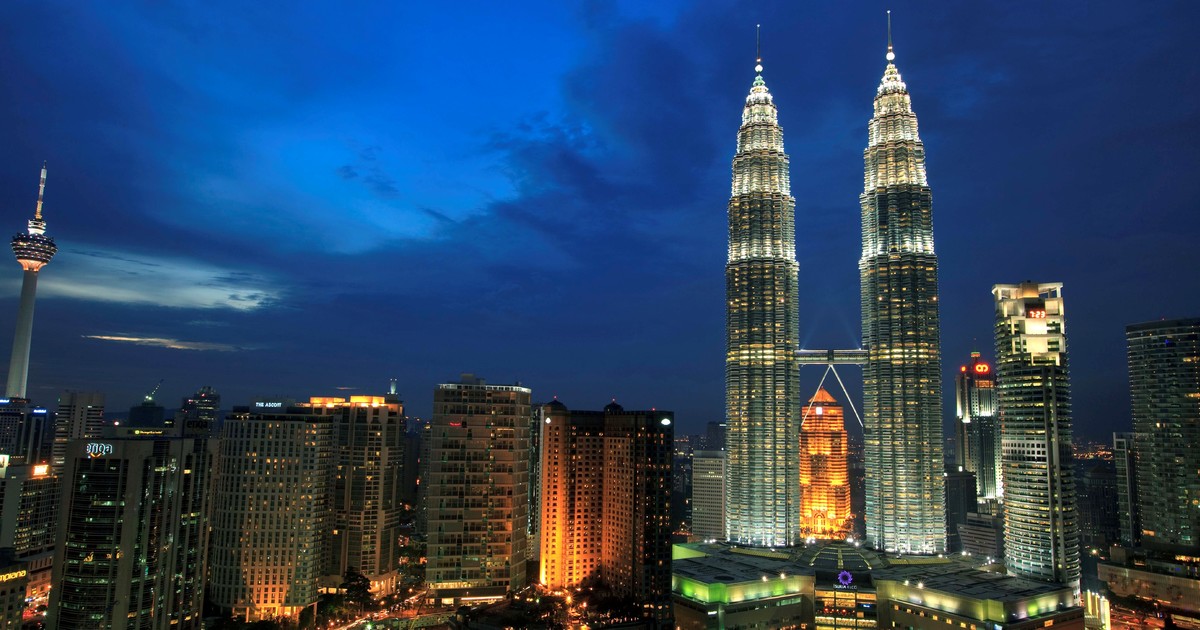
(901, 358)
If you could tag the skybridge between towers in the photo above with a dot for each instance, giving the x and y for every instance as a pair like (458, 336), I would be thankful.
(832, 357)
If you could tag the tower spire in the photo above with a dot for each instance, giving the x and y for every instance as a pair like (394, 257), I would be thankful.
(891, 54)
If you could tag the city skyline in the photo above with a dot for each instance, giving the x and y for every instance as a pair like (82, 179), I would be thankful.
(193, 200)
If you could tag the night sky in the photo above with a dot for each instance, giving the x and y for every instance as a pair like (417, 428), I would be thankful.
(277, 198)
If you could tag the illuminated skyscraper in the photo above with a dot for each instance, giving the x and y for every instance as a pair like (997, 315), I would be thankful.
(1041, 526)
(80, 416)
(1164, 387)
(762, 326)
(824, 470)
(902, 380)
(977, 426)
(33, 251)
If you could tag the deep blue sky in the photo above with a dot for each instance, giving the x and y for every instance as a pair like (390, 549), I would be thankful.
(299, 199)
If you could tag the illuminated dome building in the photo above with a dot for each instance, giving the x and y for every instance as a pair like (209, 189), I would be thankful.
(902, 380)
(33, 250)
(824, 476)
(762, 326)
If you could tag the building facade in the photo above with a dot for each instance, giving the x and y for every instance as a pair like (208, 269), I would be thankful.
(1041, 526)
(762, 327)
(902, 380)
(824, 470)
(1164, 388)
(270, 535)
(977, 426)
(708, 495)
(477, 493)
(132, 534)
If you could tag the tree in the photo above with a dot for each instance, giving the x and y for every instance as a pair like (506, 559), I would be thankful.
(358, 589)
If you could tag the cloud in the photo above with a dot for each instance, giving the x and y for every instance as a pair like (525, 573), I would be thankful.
(107, 276)
(165, 342)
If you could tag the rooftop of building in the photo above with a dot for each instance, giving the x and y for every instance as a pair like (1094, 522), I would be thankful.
(964, 580)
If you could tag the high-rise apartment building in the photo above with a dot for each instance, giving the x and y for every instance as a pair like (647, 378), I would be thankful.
(708, 495)
(762, 327)
(33, 250)
(824, 470)
(902, 380)
(80, 416)
(1041, 527)
(1164, 387)
(368, 464)
(1129, 521)
(133, 532)
(977, 426)
(477, 492)
(270, 535)
(606, 486)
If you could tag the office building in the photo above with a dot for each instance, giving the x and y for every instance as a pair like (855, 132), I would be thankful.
(26, 431)
(202, 409)
(80, 416)
(824, 470)
(1041, 527)
(368, 455)
(1129, 522)
(708, 495)
(982, 535)
(961, 500)
(33, 250)
(270, 535)
(977, 426)
(476, 498)
(902, 379)
(762, 374)
(1164, 388)
(132, 533)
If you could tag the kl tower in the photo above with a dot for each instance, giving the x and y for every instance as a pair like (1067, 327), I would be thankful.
(33, 251)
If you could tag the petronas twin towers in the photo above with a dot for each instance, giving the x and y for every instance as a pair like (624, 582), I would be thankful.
(902, 371)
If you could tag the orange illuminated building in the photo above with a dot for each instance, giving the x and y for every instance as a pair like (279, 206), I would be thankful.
(824, 478)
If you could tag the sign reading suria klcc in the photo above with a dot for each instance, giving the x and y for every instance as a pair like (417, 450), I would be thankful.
(99, 449)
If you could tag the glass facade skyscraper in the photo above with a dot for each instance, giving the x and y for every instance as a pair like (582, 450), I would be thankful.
(902, 380)
(761, 371)
(1041, 522)
(1164, 387)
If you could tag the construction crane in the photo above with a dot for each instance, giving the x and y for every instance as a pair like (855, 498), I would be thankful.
(150, 396)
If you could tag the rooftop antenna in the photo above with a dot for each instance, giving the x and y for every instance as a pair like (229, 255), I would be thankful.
(37, 215)
(891, 55)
